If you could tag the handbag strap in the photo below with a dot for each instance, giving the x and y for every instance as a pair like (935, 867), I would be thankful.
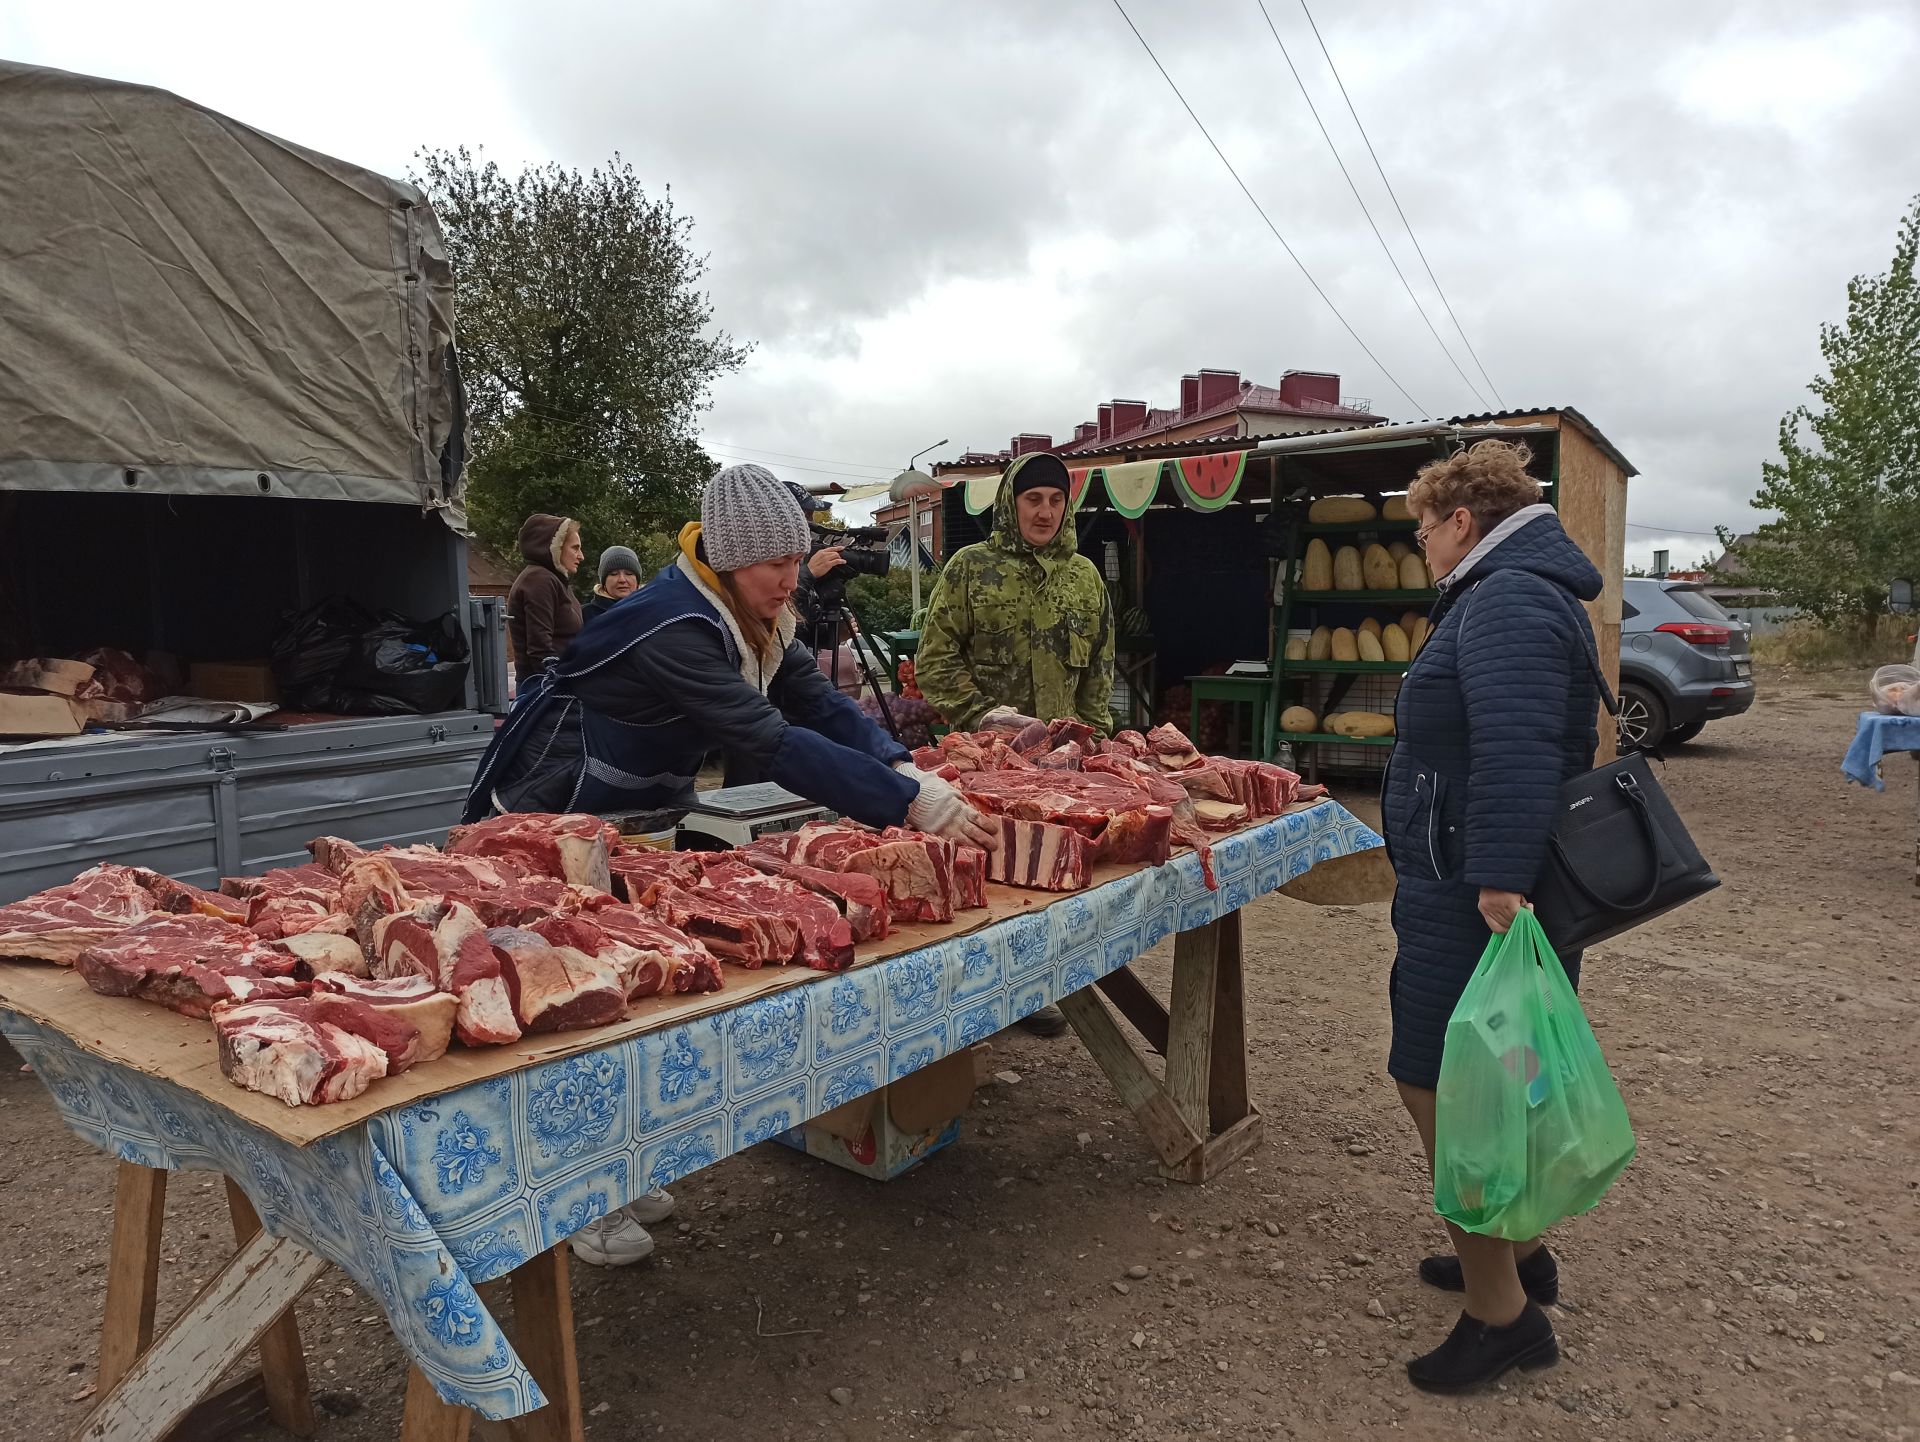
(1637, 800)
(1607, 698)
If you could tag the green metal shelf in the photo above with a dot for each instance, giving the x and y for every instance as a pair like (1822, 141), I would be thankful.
(1363, 668)
(1329, 738)
(1350, 528)
(1315, 597)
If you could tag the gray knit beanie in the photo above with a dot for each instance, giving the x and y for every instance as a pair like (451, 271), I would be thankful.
(747, 515)
(618, 558)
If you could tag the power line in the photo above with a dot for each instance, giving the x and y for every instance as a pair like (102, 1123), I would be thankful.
(824, 460)
(1417, 407)
(1385, 249)
(1670, 530)
(1396, 205)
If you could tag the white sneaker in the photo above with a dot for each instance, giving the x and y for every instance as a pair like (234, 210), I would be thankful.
(615, 1241)
(650, 1207)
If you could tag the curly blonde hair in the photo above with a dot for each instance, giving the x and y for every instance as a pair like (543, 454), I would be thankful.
(1489, 478)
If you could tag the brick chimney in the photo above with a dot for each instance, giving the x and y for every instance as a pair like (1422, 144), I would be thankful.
(1128, 415)
(1298, 387)
(1217, 387)
(1189, 394)
(1028, 442)
(1104, 426)
(1085, 432)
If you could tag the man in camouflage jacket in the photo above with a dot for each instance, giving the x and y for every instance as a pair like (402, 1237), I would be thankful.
(1021, 620)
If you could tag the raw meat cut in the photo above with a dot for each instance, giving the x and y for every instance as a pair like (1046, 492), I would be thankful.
(555, 985)
(412, 999)
(664, 959)
(569, 848)
(371, 891)
(1144, 834)
(1169, 746)
(179, 896)
(969, 877)
(826, 938)
(290, 900)
(187, 963)
(730, 929)
(1043, 857)
(1220, 815)
(323, 952)
(445, 942)
(498, 890)
(860, 898)
(921, 876)
(58, 924)
(298, 1053)
(636, 868)
(281, 881)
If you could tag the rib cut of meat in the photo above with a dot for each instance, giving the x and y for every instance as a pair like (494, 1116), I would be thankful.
(58, 924)
(281, 881)
(636, 868)
(569, 848)
(299, 1052)
(663, 959)
(187, 963)
(860, 898)
(825, 937)
(1043, 857)
(917, 872)
(412, 999)
(730, 929)
(555, 985)
(969, 877)
(445, 942)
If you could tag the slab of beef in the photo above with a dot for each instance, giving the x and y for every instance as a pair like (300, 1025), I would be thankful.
(734, 931)
(915, 870)
(1169, 746)
(446, 943)
(1043, 857)
(636, 868)
(1221, 815)
(411, 999)
(185, 899)
(58, 924)
(554, 983)
(187, 963)
(290, 900)
(663, 959)
(302, 1053)
(860, 898)
(1144, 834)
(825, 936)
(497, 889)
(323, 952)
(569, 848)
(969, 877)
(370, 892)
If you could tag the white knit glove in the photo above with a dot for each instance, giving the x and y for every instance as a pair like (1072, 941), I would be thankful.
(943, 811)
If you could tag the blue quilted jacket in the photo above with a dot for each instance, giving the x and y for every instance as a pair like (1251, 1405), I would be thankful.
(1495, 714)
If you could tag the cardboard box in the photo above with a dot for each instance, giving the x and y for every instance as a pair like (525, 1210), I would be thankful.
(232, 681)
(892, 1130)
(40, 714)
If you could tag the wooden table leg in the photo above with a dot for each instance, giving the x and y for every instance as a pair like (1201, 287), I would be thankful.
(543, 1336)
(133, 1269)
(1139, 1089)
(427, 1418)
(283, 1363)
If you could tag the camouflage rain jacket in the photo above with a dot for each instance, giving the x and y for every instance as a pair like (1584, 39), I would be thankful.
(1013, 625)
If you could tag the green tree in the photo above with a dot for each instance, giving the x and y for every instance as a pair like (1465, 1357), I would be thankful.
(586, 345)
(1847, 484)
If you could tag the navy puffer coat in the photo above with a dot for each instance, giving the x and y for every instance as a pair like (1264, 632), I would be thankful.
(1496, 713)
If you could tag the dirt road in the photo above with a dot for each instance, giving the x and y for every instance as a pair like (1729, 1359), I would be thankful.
(1755, 1274)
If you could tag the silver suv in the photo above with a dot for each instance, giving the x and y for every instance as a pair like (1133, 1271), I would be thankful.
(1683, 662)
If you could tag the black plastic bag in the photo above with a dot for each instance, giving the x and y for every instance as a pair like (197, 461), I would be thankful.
(342, 659)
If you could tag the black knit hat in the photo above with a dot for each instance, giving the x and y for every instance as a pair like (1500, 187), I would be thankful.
(1037, 469)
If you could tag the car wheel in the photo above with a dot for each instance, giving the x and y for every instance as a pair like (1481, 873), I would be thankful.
(1643, 719)
(1681, 735)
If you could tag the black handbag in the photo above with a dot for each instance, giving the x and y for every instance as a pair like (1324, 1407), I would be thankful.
(1619, 854)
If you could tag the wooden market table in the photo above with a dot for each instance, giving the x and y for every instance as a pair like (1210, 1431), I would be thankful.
(1195, 1111)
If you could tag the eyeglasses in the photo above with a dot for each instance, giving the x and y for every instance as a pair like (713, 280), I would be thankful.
(1420, 536)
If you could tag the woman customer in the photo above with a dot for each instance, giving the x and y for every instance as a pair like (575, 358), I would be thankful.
(543, 615)
(1494, 715)
(619, 579)
(703, 657)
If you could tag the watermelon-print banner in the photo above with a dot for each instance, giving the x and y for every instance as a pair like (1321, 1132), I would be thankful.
(1130, 487)
(980, 492)
(1206, 483)
(1078, 477)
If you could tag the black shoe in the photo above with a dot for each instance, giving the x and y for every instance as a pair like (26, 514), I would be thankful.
(1049, 1021)
(1539, 1274)
(1476, 1354)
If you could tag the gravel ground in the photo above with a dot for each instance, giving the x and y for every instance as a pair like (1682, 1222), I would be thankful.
(1752, 1275)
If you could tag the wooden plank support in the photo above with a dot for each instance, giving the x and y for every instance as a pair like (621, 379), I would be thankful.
(1227, 1100)
(1139, 1089)
(133, 1269)
(283, 1362)
(233, 1409)
(247, 1297)
(1196, 966)
(543, 1336)
(427, 1418)
(1138, 1005)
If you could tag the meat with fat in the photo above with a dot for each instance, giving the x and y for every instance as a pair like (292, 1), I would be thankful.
(663, 959)
(732, 930)
(825, 936)
(1040, 856)
(556, 985)
(860, 898)
(60, 923)
(301, 1053)
(414, 1000)
(445, 942)
(572, 847)
(188, 963)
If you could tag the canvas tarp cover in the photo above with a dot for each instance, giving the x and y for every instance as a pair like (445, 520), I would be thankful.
(188, 305)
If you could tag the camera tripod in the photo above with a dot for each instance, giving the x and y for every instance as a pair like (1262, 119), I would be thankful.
(832, 616)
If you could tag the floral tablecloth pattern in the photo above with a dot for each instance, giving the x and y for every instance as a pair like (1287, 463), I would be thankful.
(419, 1203)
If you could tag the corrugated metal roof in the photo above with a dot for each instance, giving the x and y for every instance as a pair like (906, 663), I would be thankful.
(1258, 399)
(1591, 431)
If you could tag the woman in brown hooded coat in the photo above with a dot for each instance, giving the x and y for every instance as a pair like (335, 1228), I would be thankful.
(543, 614)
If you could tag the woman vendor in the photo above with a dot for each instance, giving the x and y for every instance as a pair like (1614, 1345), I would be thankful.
(703, 658)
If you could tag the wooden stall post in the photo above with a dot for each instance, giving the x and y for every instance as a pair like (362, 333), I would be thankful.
(133, 1269)
(283, 1363)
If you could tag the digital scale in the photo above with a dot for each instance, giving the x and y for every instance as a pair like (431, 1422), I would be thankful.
(735, 815)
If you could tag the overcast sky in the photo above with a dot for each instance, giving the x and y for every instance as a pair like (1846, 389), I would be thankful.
(965, 220)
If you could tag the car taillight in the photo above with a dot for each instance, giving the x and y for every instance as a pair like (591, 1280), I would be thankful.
(1697, 633)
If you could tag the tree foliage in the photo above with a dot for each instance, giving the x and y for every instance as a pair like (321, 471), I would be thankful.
(1847, 484)
(586, 345)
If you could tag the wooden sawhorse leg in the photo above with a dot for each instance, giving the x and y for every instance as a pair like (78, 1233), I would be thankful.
(1200, 1117)
(278, 1390)
(542, 1333)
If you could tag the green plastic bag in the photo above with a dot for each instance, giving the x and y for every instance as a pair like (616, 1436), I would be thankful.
(1529, 1126)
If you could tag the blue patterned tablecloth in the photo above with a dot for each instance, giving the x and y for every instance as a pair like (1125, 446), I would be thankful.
(1875, 736)
(419, 1203)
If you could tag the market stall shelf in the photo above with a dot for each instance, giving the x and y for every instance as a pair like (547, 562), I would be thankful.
(437, 1183)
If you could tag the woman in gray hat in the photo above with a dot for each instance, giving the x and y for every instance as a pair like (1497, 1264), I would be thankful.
(619, 579)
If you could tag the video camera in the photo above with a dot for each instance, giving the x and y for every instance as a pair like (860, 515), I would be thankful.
(863, 553)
